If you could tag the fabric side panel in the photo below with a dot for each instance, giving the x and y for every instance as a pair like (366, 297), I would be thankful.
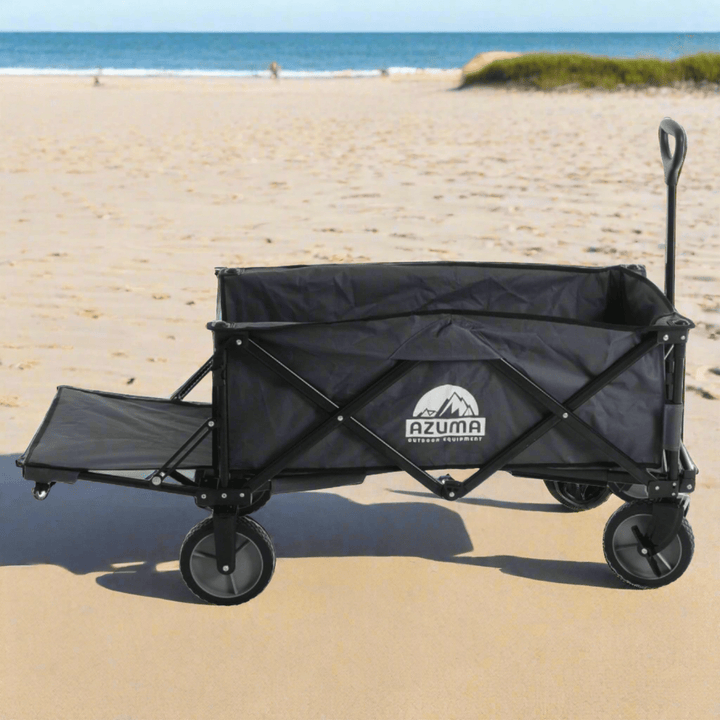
(446, 398)
(355, 292)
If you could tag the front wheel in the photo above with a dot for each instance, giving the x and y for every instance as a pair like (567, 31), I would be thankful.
(626, 548)
(578, 496)
(254, 563)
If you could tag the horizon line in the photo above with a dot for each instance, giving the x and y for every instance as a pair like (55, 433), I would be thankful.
(369, 32)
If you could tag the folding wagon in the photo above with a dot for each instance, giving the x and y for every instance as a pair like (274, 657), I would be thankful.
(323, 375)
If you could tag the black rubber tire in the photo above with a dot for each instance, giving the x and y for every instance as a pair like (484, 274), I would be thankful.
(628, 492)
(254, 569)
(623, 555)
(578, 496)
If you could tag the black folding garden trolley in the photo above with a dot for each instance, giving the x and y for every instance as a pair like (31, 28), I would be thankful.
(323, 375)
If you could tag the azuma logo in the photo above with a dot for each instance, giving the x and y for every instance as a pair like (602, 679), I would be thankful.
(447, 413)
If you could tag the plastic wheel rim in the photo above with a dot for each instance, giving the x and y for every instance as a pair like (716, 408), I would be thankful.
(579, 493)
(248, 568)
(632, 561)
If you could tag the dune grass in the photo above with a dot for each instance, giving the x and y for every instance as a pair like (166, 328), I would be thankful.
(547, 71)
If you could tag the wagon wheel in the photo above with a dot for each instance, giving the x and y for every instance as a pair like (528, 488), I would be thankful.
(630, 561)
(577, 496)
(629, 492)
(254, 563)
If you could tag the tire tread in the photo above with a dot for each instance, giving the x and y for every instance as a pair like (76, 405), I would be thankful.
(201, 529)
(685, 526)
(552, 486)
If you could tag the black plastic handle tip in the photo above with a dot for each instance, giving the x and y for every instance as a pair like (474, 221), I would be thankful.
(672, 163)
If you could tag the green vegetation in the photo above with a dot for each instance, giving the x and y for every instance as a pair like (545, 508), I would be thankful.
(546, 71)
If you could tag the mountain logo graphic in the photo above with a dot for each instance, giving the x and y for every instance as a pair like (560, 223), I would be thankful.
(446, 413)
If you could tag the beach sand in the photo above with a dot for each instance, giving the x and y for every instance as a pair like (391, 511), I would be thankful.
(116, 204)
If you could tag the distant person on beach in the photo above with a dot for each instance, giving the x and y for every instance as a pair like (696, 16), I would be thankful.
(96, 79)
(274, 69)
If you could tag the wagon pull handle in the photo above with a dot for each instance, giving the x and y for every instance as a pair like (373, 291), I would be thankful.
(672, 165)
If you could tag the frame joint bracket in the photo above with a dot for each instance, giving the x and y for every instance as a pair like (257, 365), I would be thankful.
(673, 329)
(209, 497)
(658, 489)
(451, 489)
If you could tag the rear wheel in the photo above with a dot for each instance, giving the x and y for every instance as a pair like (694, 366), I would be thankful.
(628, 492)
(254, 563)
(625, 546)
(577, 496)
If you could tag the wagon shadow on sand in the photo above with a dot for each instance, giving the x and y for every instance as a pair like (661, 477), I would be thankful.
(91, 528)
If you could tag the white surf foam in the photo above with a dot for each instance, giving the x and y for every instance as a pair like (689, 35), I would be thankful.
(155, 72)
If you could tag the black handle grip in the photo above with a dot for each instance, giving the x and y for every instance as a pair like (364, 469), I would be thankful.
(672, 163)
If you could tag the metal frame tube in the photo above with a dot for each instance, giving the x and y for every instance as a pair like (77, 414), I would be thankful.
(108, 479)
(670, 244)
(183, 451)
(192, 381)
(677, 398)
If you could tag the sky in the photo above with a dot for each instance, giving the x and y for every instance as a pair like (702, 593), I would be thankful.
(366, 16)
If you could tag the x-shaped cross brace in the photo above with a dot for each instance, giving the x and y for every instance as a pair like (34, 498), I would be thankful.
(447, 487)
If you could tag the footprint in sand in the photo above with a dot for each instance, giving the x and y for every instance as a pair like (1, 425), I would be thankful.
(89, 313)
(24, 365)
(705, 394)
(11, 401)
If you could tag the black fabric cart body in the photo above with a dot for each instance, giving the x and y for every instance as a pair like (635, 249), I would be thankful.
(323, 375)
(464, 360)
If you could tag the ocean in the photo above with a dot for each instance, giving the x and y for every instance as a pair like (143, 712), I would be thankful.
(309, 54)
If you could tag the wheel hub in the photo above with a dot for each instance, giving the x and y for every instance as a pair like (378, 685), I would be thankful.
(247, 573)
(638, 560)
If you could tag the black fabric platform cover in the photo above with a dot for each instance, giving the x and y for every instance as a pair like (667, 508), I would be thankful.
(341, 327)
(85, 430)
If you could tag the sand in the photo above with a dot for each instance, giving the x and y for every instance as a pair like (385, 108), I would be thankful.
(116, 204)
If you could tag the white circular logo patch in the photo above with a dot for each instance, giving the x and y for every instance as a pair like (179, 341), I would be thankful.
(446, 413)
